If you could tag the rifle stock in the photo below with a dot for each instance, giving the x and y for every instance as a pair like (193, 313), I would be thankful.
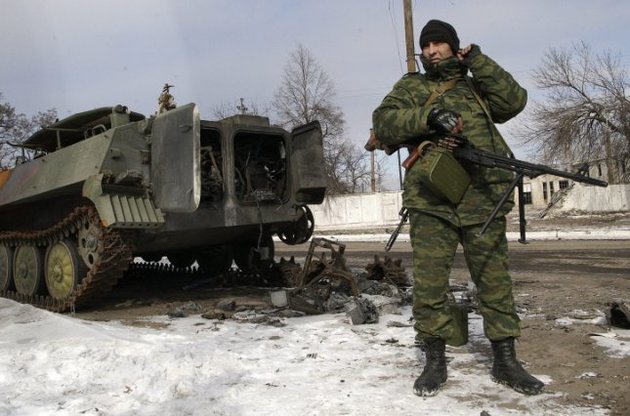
(404, 215)
(413, 157)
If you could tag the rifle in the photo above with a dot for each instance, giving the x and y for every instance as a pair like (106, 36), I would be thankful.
(466, 151)
(404, 215)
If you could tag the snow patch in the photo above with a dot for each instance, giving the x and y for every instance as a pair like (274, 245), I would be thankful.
(58, 365)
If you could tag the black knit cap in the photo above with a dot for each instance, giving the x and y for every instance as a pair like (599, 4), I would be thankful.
(439, 31)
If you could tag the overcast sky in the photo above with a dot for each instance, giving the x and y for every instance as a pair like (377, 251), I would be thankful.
(76, 55)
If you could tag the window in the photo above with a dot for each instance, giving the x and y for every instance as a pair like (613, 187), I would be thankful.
(551, 191)
(545, 191)
(527, 193)
(563, 184)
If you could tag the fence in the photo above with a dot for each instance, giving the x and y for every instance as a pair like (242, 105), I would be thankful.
(380, 210)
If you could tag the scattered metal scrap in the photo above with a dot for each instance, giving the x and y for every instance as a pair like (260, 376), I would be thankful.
(362, 311)
(390, 270)
(326, 284)
(321, 277)
(318, 269)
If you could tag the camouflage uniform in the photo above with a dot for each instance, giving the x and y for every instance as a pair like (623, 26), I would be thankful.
(437, 226)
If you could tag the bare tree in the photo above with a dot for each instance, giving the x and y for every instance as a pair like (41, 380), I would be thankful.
(356, 169)
(585, 116)
(16, 127)
(306, 94)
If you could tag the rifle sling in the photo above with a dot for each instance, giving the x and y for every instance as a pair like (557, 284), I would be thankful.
(441, 89)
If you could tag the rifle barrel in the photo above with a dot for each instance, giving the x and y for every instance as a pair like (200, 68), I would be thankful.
(531, 170)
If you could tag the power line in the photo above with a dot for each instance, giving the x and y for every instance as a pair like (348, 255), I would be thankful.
(394, 26)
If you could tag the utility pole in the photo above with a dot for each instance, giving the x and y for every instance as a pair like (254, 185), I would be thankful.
(409, 39)
(372, 159)
(411, 61)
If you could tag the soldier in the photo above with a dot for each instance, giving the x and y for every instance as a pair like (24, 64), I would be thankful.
(443, 100)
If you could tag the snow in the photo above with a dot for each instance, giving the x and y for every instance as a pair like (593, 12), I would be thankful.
(616, 342)
(52, 364)
(594, 317)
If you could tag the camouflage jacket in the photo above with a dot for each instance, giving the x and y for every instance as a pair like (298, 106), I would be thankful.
(401, 118)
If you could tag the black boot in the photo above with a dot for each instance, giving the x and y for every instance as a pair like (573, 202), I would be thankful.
(507, 370)
(434, 373)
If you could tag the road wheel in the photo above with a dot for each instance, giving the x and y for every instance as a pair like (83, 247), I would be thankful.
(6, 266)
(28, 270)
(301, 230)
(63, 269)
(90, 242)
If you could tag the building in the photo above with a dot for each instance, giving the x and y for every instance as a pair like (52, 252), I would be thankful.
(539, 192)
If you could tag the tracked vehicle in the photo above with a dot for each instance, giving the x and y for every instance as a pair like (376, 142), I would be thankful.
(99, 188)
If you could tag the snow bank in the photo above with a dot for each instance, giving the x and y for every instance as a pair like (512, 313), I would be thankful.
(318, 365)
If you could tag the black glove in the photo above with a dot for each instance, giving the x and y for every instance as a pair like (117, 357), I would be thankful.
(442, 121)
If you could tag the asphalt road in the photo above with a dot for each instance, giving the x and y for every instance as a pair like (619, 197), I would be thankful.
(570, 257)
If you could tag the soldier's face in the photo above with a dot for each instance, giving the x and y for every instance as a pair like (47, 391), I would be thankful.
(435, 52)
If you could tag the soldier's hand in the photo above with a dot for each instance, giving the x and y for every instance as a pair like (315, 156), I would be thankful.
(374, 143)
(463, 52)
(467, 53)
(444, 121)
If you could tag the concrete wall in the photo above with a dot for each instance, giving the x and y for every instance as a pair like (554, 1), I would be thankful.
(597, 199)
(358, 210)
(377, 210)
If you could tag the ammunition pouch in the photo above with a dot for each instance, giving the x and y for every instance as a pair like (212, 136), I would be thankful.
(441, 173)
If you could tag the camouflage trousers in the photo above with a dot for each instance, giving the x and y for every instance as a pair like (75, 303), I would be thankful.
(434, 243)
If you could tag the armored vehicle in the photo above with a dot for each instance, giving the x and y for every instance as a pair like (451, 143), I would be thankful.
(99, 188)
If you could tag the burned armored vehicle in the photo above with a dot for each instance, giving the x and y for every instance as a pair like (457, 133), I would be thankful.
(99, 188)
